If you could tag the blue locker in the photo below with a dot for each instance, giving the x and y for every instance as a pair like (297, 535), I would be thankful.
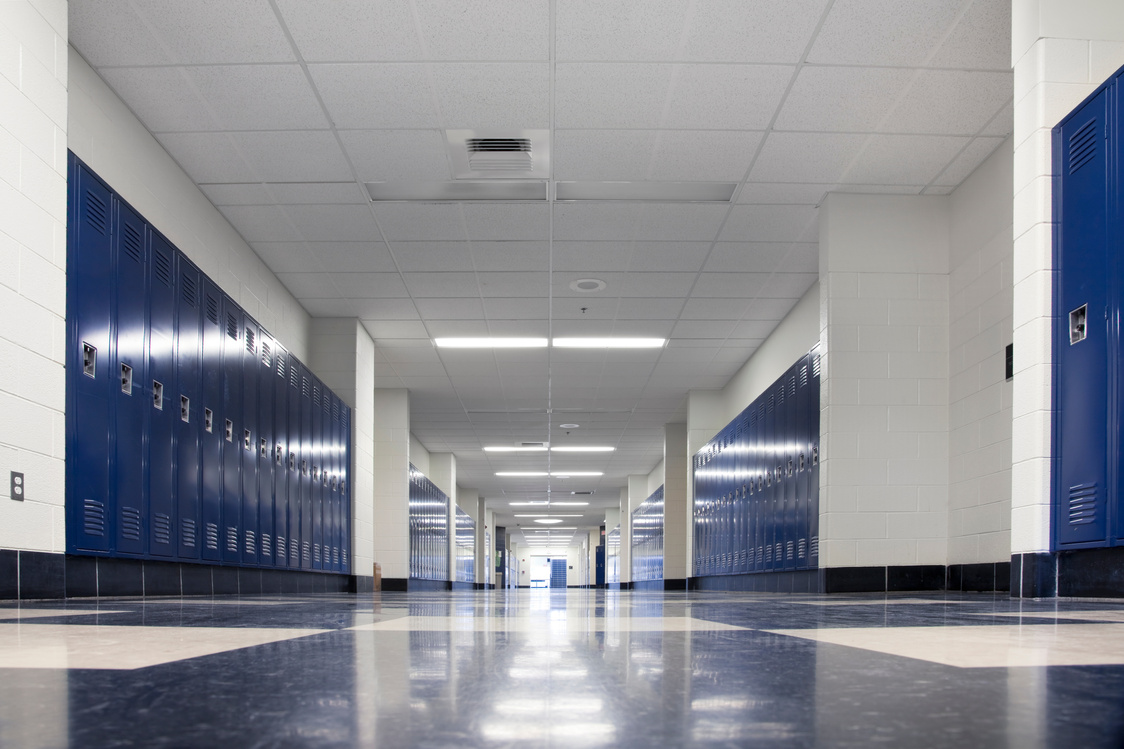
(1085, 327)
(814, 447)
(281, 457)
(803, 443)
(132, 398)
(345, 488)
(89, 366)
(315, 459)
(266, 452)
(231, 427)
(304, 474)
(250, 436)
(770, 499)
(211, 426)
(338, 521)
(745, 541)
(163, 403)
(293, 392)
(758, 478)
(788, 470)
(189, 342)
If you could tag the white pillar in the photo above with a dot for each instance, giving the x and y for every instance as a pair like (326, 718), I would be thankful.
(443, 473)
(676, 509)
(391, 476)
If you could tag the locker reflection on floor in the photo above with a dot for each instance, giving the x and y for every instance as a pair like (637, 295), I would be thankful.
(563, 668)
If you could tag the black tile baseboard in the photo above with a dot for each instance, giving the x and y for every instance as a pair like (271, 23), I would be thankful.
(1091, 573)
(395, 584)
(891, 579)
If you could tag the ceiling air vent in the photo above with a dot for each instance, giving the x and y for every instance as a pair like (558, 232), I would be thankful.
(506, 154)
(532, 444)
(581, 494)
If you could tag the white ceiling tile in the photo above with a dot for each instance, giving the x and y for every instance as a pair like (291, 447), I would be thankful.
(518, 328)
(355, 95)
(433, 256)
(394, 155)
(980, 40)
(746, 257)
(363, 309)
(970, 158)
(693, 222)
(237, 194)
(730, 284)
(468, 29)
(351, 257)
(715, 96)
(497, 221)
(493, 95)
(761, 31)
(938, 190)
(309, 285)
(208, 157)
(806, 157)
(673, 155)
(511, 256)
(904, 159)
(318, 193)
(286, 257)
(608, 95)
(454, 328)
(585, 307)
(642, 328)
(649, 308)
(256, 97)
(707, 309)
(656, 284)
(427, 354)
(373, 31)
(162, 98)
(876, 32)
(450, 308)
(769, 223)
(412, 222)
(512, 284)
(703, 329)
(620, 30)
(801, 258)
(675, 353)
(595, 221)
(499, 308)
(788, 285)
(837, 99)
(769, 309)
(261, 223)
(950, 102)
(774, 193)
(753, 329)
(323, 223)
(865, 189)
(441, 284)
(668, 256)
(111, 32)
(368, 285)
(591, 256)
(1002, 124)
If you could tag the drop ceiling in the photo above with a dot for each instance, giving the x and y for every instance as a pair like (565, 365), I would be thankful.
(282, 110)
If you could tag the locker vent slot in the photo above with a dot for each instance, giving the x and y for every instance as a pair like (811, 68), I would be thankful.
(335, 555)
(306, 552)
(89, 360)
(780, 551)
(304, 387)
(294, 375)
(343, 558)
(769, 554)
(212, 536)
(232, 326)
(316, 553)
(803, 375)
(802, 548)
(1082, 504)
(816, 365)
(95, 211)
(93, 517)
(792, 386)
(190, 289)
(232, 539)
(266, 355)
(280, 365)
(126, 379)
(251, 543)
(131, 241)
(187, 532)
(213, 309)
(1083, 145)
(294, 550)
(335, 411)
(814, 546)
(250, 340)
(162, 528)
(266, 545)
(316, 397)
(131, 523)
(163, 266)
(772, 404)
(280, 548)
(790, 550)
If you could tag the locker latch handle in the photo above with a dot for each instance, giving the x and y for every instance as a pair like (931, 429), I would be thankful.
(264, 448)
(278, 454)
(801, 461)
(292, 461)
(229, 430)
(158, 395)
(247, 439)
(1077, 324)
(790, 466)
(304, 467)
(185, 408)
(208, 420)
(815, 456)
(126, 379)
(89, 360)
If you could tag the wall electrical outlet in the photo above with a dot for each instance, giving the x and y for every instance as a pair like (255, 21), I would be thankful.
(17, 488)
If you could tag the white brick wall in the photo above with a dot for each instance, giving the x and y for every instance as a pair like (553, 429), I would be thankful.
(1061, 51)
(677, 514)
(391, 491)
(884, 413)
(33, 125)
(980, 299)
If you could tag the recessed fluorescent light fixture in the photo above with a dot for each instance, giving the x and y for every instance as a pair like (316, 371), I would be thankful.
(565, 474)
(548, 521)
(568, 504)
(490, 342)
(521, 473)
(513, 449)
(608, 342)
(583, 449)
(657, 192)
(527, 504)
(541, 515)
(459, 191)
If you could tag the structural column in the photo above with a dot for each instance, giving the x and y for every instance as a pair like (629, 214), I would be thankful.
(391, 490)
(443, 473)
(676, 508)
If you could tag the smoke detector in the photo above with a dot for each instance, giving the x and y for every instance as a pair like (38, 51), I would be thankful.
(499, 154)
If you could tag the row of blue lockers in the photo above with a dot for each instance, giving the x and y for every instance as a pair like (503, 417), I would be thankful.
(465, 557)
(429, 529)
(757, 482)
(1088, 168)
(613, 555)
(192, 434)
(647, 538)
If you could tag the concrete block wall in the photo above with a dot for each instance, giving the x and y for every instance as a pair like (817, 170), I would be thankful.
(980, 289)
(34, 73)
(884, 387)
(1060, 50)
(391, 471)
(676, 509)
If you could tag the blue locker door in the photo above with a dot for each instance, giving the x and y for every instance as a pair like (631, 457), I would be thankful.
(189, 343)
(788, 469)
(232, 425)
(345, 488)
(316, 458)
(814, 448)
(89, 368)
(132, 398)
(802, 443)
(769, 500)
(266, 441)
(757, 476)
(334, 484)
(1082, 399)
(250, 437)
(163, 402)
(211, 427)
(1116, 254)
(741, 490)
(304, 475)
(280, 457)
(293, 393)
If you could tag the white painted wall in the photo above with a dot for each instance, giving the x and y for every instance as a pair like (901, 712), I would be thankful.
(419, 456)
(1061, 50)
(33, 134)
(884, 381)
(112, 141)
(676, 507)
(391, 472)
(980, 285)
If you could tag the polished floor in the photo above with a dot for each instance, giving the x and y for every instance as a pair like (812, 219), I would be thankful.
(574, 668)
